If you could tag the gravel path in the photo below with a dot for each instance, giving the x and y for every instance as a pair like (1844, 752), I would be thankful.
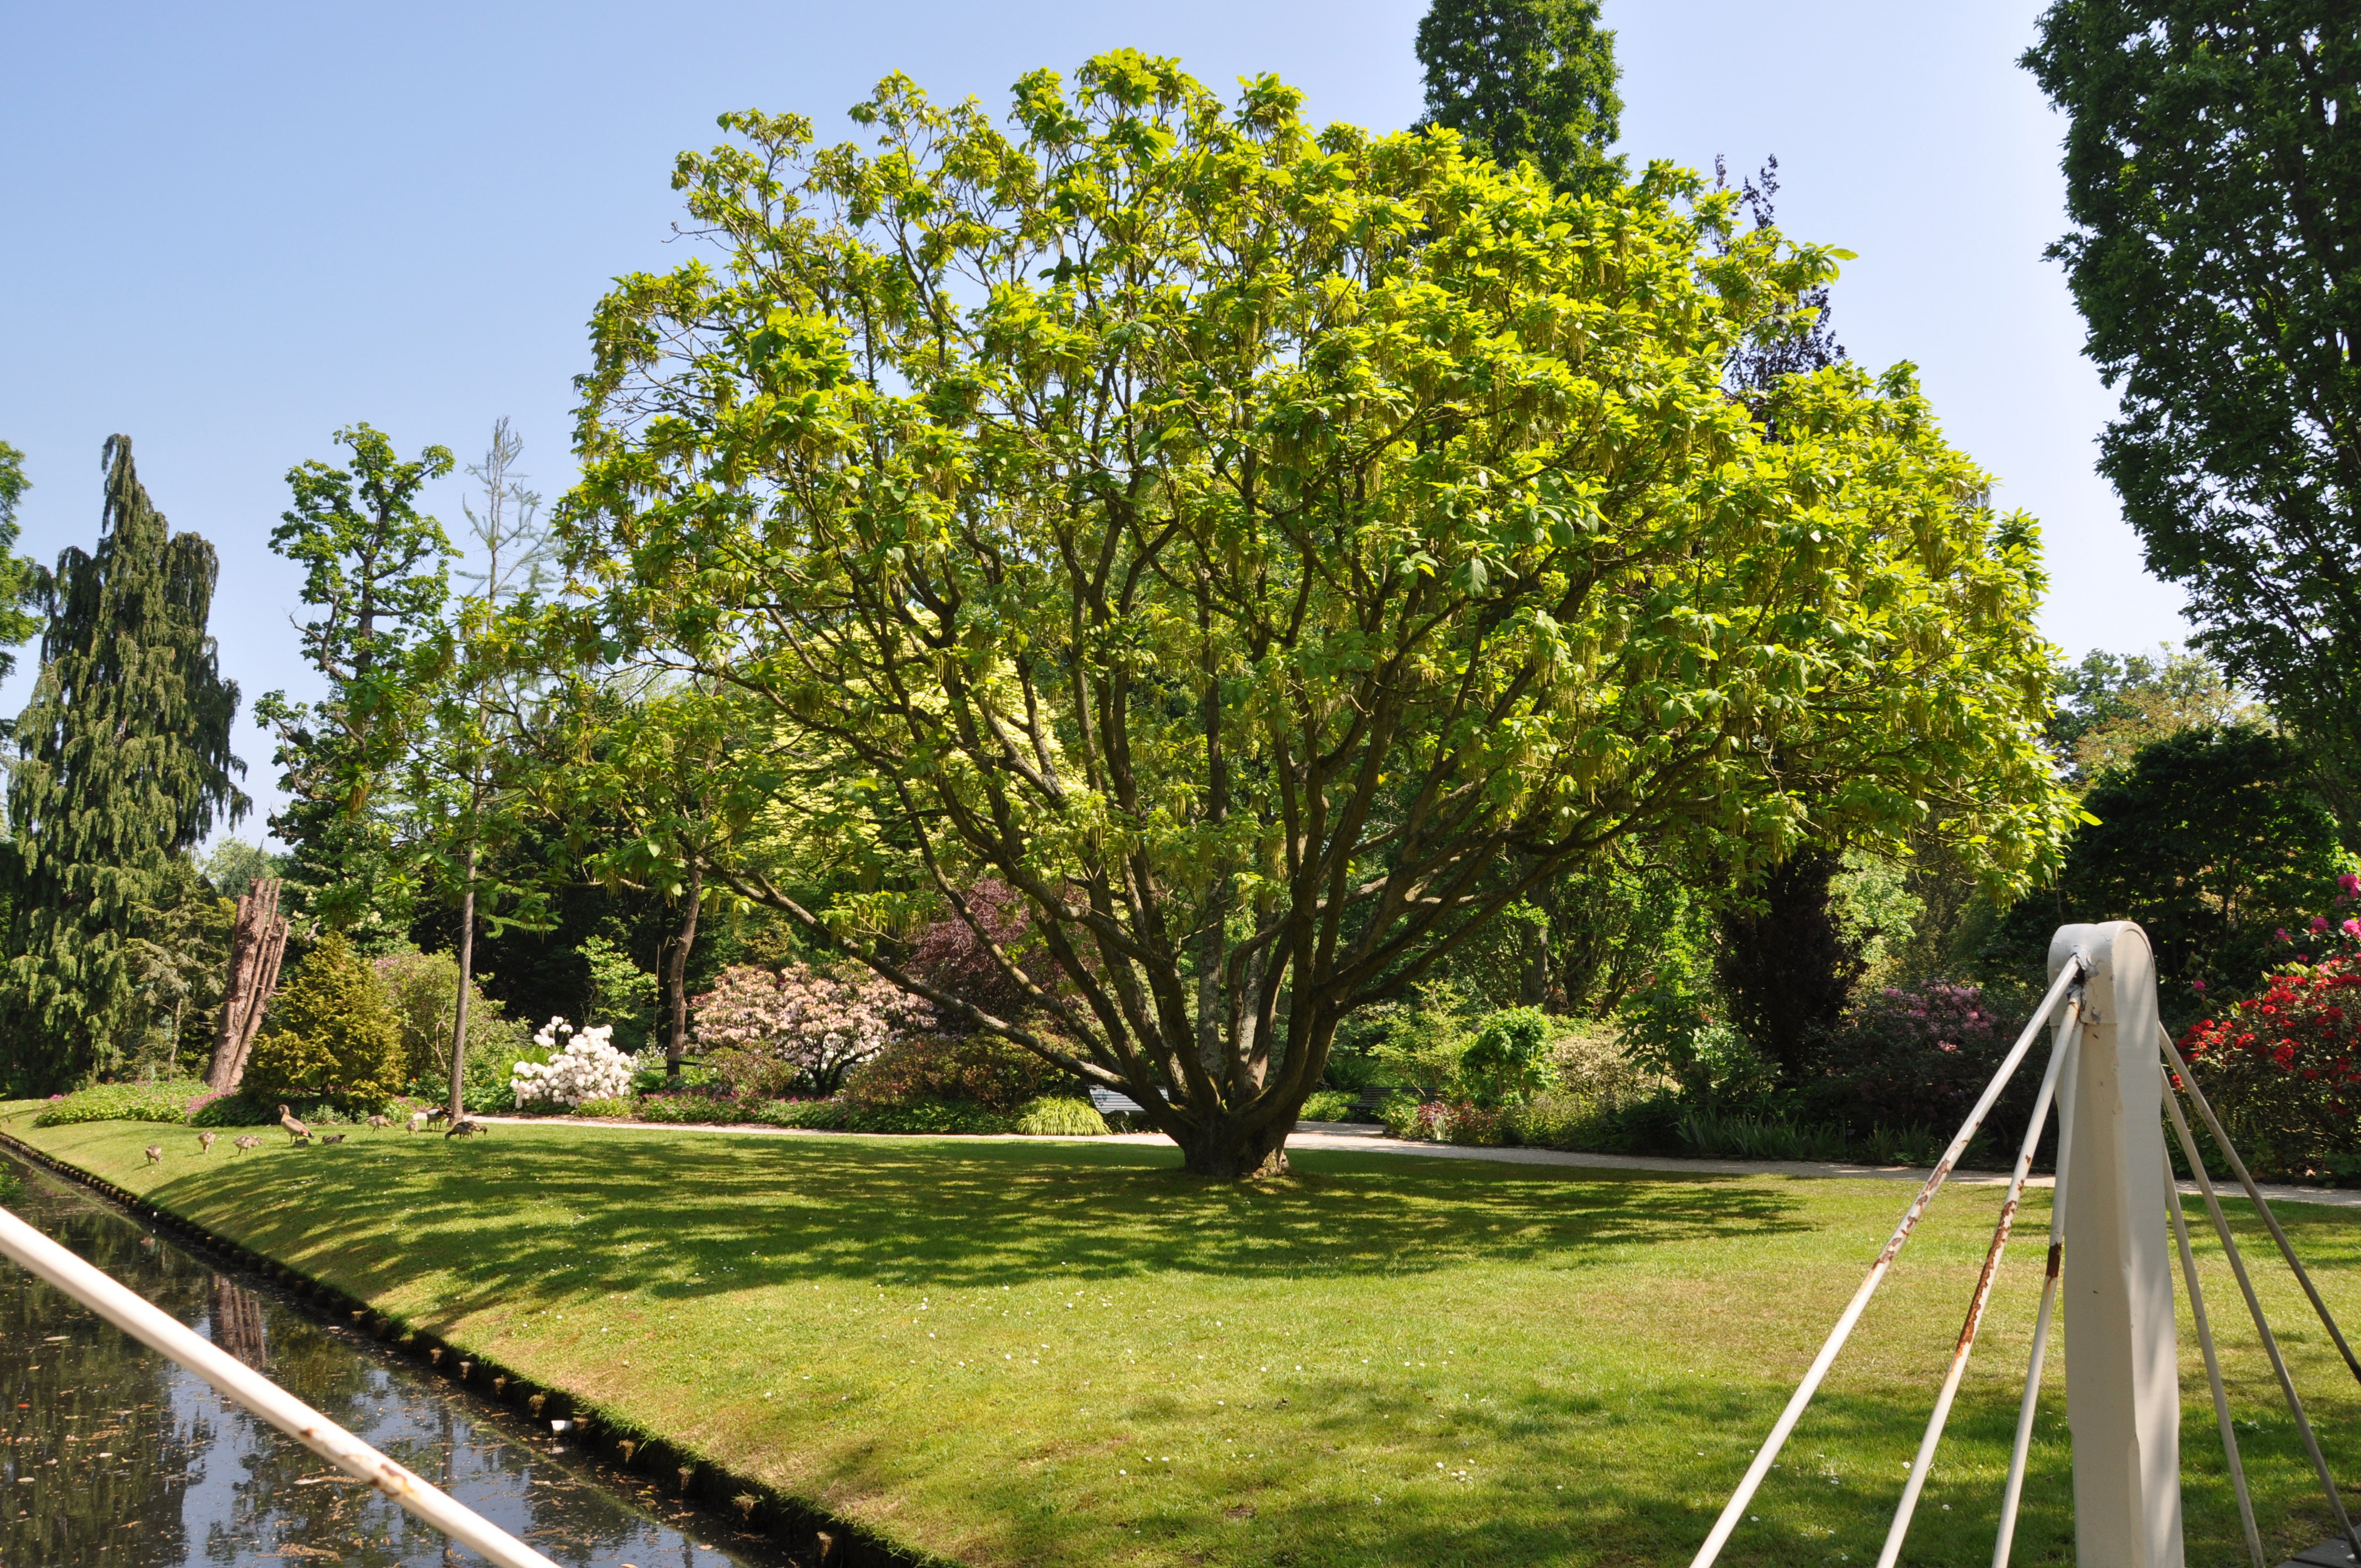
(1361, 1139)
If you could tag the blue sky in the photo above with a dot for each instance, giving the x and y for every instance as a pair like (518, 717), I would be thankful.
(233, 229)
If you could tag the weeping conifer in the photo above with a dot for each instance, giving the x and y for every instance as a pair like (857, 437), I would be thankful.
(123, 764)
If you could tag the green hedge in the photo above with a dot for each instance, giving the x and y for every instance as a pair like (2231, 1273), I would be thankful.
(122, 1102)
(1327, 1105)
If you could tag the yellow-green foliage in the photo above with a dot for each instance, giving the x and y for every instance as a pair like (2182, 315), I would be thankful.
(330, 1030)
(1057, 1116)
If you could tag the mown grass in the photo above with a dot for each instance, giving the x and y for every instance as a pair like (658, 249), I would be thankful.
(1072, 1354)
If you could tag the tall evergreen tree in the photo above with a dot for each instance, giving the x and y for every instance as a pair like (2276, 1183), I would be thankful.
(123, 765)
(1526, 79)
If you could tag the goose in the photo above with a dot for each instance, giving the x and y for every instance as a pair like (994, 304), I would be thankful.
(206, 1142)
(297, 1132)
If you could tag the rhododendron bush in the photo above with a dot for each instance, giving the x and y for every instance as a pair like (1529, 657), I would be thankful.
(2283, 1068)
(582, 1066)
(766, 1031)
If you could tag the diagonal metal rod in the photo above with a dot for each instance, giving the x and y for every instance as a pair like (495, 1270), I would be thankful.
(2213, 1365)
(131, 1312)
(2014, 1492)
(2254, 1195)
(1802, 1398)
(1977, 1302)
(2254, 1307)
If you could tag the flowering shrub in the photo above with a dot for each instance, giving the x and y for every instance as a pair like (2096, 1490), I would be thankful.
(764, 1032)
(2283, 1068)
(582, 1068)
(1920, 1053)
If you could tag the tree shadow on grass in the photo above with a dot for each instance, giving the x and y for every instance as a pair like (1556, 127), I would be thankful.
(726, 1212)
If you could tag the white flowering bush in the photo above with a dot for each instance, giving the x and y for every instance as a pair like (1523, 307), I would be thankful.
(767, 1030)
(584, 1067)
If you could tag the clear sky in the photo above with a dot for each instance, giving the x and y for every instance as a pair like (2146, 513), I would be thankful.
(231, 229)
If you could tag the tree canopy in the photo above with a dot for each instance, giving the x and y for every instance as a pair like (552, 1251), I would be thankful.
(1526, 79)
(2214, 177)
(1273, 551)
(123, 766)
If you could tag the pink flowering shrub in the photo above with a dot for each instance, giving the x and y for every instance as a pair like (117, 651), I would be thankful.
(2283, 1068)
(766, 1032)
(1918, 1056)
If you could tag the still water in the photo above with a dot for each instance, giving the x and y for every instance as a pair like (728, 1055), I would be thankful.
(115, 1455)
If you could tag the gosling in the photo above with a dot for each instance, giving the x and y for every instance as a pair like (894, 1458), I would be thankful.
(379, 1123)
(248, 1142)
(206, 1142)
(418, 1122)
(332, 1138)
(297, 1132)
(155, 1154)
(465, 1127)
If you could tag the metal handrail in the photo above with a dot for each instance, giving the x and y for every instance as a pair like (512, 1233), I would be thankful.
(131, 1312)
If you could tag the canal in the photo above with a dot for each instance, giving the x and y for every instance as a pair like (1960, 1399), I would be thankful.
(113, 1455)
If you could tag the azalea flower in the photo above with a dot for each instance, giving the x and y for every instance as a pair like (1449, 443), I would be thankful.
(2318, 923)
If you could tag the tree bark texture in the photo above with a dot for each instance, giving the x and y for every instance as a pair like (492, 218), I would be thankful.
(257, 944)
(676, 972)
(466, 983)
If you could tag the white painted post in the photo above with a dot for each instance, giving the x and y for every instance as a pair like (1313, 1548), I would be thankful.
(2123, 1377)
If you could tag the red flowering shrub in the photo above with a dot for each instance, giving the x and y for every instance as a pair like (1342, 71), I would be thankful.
(2283, 1068)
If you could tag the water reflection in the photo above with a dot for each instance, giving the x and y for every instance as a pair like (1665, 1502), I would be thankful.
(113, 1455)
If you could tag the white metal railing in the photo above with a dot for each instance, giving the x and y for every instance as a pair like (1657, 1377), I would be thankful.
(2063, 1066)
(131, 1312)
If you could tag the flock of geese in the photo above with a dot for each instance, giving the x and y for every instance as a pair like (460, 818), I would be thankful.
(299, 1132)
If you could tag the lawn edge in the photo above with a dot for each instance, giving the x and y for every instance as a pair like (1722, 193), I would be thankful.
(786, 1522)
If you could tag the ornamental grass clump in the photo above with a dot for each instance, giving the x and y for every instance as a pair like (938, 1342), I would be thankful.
(2283, 1068)
(584, 1066)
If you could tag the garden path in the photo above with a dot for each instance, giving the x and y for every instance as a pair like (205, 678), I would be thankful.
(1362, 1139)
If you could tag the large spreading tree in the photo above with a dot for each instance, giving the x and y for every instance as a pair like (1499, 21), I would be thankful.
(2214, 177)
(1273, 551)
(123, 765)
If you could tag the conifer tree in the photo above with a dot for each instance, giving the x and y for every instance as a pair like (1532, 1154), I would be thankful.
(16, 620)
(1526, 79)
(123, 765)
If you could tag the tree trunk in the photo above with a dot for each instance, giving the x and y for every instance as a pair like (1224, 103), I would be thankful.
(1226, 1151)
(257, 944)
(676, 975)
(466, 979)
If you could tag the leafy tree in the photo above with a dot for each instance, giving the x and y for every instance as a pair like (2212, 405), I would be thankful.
(376, 572)
(19, 584)
(2212, 838)
(123, 765)
(1526, 79)
(2110, 708)
(2214, 177)
(1273, 553)
(233, 865)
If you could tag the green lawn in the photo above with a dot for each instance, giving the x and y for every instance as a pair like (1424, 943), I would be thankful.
(1069, 1354)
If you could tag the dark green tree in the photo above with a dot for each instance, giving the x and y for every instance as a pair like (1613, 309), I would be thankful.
(123, 765)
(2214, 177)
(1526, 79)
(377, 574)
(2212, 839)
